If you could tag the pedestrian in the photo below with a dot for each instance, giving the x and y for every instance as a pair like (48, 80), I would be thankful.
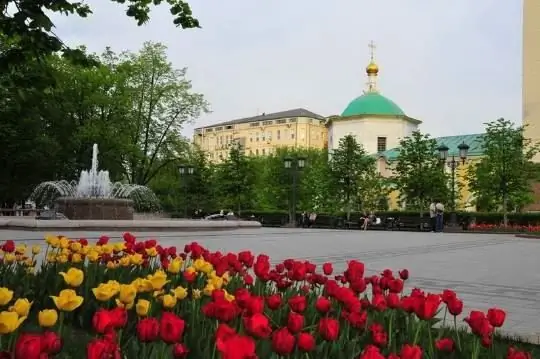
(439, 208)
(433, 216)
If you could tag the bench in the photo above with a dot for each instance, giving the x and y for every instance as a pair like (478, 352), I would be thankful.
(413, 223)
(323, 221)
(384, 224)
(274, 221)
(354, 222)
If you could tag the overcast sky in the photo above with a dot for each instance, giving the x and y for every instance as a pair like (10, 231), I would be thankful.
(452, 64)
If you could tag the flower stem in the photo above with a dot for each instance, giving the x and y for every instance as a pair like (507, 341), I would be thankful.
(457, 334)
(417, 334)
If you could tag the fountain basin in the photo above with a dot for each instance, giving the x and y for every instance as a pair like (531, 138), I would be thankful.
(95, 208)
(178, 225)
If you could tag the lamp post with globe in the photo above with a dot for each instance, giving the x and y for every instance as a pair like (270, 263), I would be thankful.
(453, 163)
(185, 171)
(294, 165)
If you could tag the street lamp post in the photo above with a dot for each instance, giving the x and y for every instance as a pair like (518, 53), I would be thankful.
(185, 171)
(453, 163)
(294, 165)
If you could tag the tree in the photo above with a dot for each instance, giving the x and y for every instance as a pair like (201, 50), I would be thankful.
(27, 27)
(502, 177)
(161, 101)
(348, 164)
(418, 173)
(374, 191)
(235, 179)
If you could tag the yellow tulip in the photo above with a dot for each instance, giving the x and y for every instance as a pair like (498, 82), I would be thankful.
(196, 294)
(21, 307)
(111, 265)
(107, 249)
(84, 250)
(31, 270)
(180, 292)
(65, 252)
(6, 296)
(104, 292)
(217, 282)
(158, 279)
(226, 277)
(67, 300)
(127, 293)
(124, 261)
(9, 258)
(142, 307)
(175, 266)
(62, 258)
(136, 259)
(92, 256)
(152, 252)
(208, 289)
(124, 305)
(64, 242)
(29, 262)
(52, 240)
(21, 249)
(76, 258)
(73, 277)
(119, 247)
(9, 322)
(143, 285)
(169, 301)
(75, 247)
(47, 318)
(51, 258)
(229, 297)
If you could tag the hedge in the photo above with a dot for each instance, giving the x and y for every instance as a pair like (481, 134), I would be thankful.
(281, 217)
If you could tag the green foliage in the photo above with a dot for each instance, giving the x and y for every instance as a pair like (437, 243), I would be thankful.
(27, 26)
(501, 180)
(418, 173)
(350, 168)
(234, 180)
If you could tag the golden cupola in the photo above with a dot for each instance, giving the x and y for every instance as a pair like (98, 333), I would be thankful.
(372, 68)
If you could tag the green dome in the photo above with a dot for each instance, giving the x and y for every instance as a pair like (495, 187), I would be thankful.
(372, 103)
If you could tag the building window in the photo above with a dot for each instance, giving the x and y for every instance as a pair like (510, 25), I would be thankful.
(269, 135)
(292, 135)
(278, 134)
(381, 144)
(257, 137)
(257, 152)
(281, 121)
(263, 151)
(254, 124)
(292, 120)
(267, 123)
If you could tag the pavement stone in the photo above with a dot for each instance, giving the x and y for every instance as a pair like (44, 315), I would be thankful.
(485, 270)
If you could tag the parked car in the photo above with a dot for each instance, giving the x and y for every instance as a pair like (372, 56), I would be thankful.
(50, 215)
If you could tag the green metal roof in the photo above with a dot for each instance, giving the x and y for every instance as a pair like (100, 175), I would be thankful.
(372, 103)
(452, 142)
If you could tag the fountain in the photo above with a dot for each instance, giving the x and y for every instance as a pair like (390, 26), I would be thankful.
(94, 196)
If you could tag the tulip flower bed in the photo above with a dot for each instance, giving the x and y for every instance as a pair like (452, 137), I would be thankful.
(502, 229)
(136, 299)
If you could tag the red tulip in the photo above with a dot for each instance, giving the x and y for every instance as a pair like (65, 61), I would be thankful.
(283, 341)
(371, 352)
(295, 322)
(445, 345)
(258, 325)
(323, 305)
(404, 274)
(171, 328)
(273, 301)
(411, 352)
(102, 348)
(51, 342)
(234, 346)
(496, 317)
(148, 330)
(180, 351)
(28, 346)
(455, 306)
(103, 321)
(427, 307)
(306, 342)
(479, 323)
(298, 303)
(329, 329)
(327, 268)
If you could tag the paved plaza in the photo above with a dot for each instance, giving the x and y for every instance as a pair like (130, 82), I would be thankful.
(486, 270)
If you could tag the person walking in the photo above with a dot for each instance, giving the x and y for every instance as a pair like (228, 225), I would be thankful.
(439, 208)
(433, 216)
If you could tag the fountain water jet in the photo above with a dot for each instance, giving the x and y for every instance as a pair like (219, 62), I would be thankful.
(94, 196)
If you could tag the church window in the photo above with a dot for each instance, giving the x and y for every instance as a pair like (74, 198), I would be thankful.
(381, 144)
(278, 134)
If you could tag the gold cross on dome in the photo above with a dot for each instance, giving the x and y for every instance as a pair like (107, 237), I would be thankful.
(372, 48)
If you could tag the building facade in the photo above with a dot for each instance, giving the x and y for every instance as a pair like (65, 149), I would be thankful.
(531, 71)
(261, 135)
